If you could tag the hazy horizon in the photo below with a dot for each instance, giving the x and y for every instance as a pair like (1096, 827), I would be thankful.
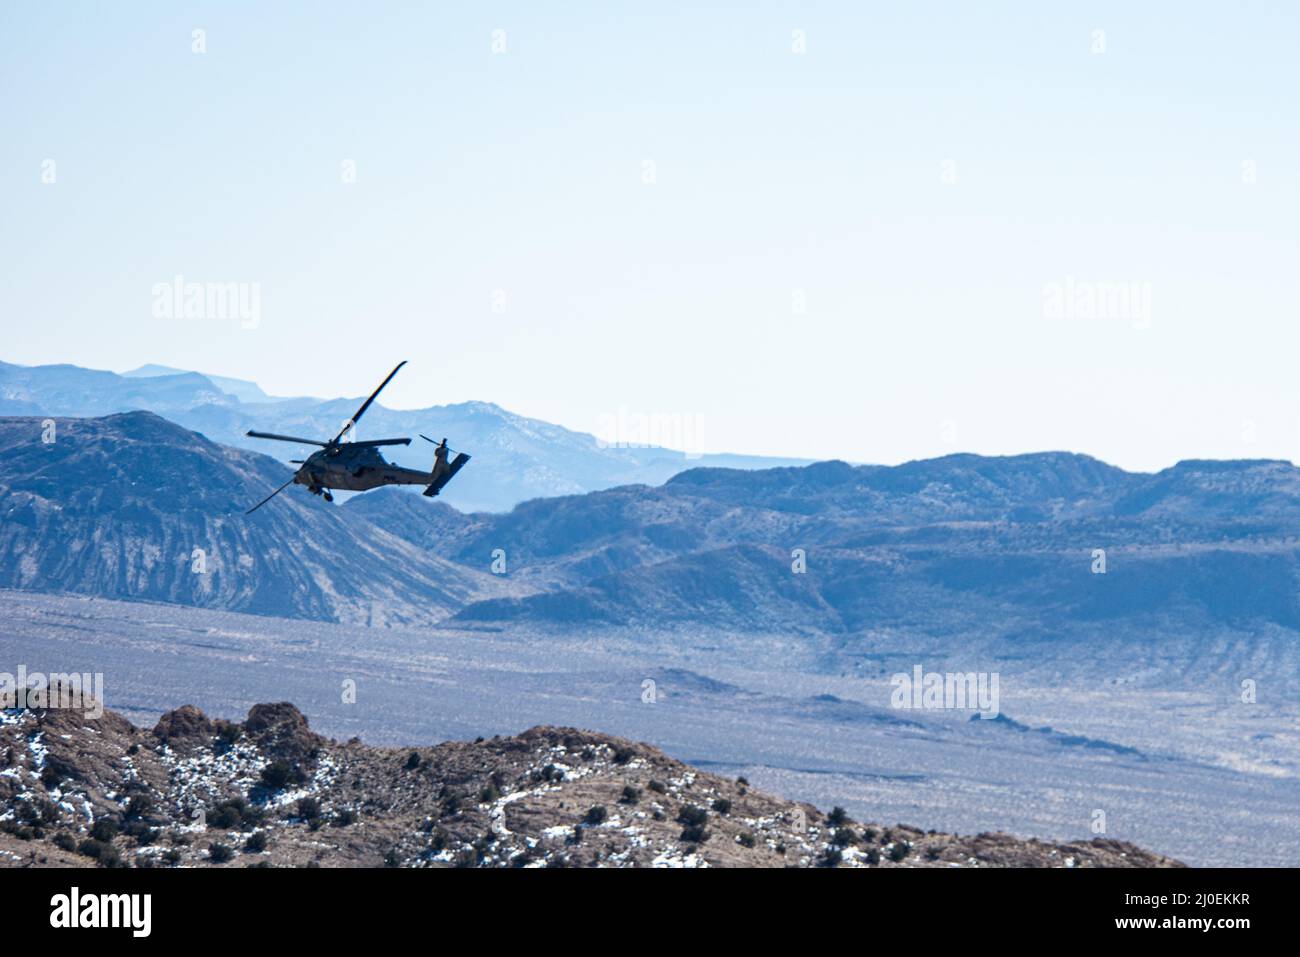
(871, 233)
(709, 451)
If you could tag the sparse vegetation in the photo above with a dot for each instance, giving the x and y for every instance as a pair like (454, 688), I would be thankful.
(308, 809)
(692, 815)
(279, 774)
(843, 837)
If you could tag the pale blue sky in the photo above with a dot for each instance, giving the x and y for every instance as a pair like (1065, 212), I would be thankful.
(776, 173)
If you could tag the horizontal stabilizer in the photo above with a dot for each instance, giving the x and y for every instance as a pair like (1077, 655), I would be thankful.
(457, 464)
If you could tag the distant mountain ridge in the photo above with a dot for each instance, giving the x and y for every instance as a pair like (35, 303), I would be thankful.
(986, 555)
(515, 458)
(1196, 564)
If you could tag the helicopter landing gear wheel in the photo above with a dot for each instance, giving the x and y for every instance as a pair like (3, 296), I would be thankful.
(327, 496)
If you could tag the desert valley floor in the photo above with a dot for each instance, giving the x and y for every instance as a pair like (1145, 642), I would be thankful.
(1187, 773)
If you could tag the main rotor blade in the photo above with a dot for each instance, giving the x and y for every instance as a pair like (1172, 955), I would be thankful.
(365, 405)
(272, 495)
(373, 442)
(285, 438)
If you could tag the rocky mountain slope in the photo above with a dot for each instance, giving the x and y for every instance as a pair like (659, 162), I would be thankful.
(515, 458)
(192, 791)
(133, 506)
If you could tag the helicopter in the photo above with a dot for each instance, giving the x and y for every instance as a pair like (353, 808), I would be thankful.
(357, 466)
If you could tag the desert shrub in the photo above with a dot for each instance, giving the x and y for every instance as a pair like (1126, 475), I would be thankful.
(65, 841)
(694, 834)
(227, 735)
(256, 843)
(624, 754)
(172, 856)
(91, 848)
(138, 806)
(832, 857)
(104, 830)
(743, 781)
(440, 839)
(899, 851)
(219, 853)
(843, 837)
(20, 831)
(746, 839)
(308, 809)
(413, 761)
(224, 817)
(722, 805)
(838, 816)
(658, 787)
(280, 773)
(488, 793)
(110, 856)
(630, 795)
(873, 856)
(691, 815)
(869, 834)
(932, 852)
(345, 818)
(596, 814)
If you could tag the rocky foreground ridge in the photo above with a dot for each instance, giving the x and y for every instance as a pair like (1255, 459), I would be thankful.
(269, 791)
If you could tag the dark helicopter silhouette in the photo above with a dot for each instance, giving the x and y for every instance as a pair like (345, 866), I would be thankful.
(359, 466)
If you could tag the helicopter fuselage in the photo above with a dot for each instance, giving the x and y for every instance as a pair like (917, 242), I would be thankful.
(354, 470)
